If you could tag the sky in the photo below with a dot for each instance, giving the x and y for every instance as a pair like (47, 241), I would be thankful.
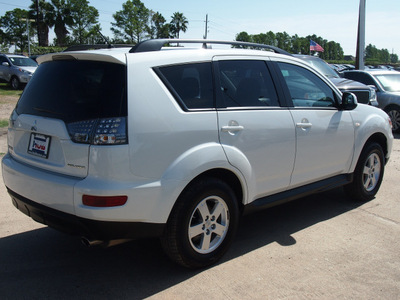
(333, 20)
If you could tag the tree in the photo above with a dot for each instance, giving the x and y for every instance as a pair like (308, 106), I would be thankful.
(243, 37)
(85, 24)
(40, 11)
(157, 28)
(283, 41)
(178, 23)
(131, 22)
(300, 45)
(59, 16)
(394, 58)
(14, 28)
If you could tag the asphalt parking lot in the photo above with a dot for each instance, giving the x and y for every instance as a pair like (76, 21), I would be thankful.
(321, 247)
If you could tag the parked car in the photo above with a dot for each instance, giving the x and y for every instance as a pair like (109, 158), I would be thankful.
(364, 93)
(387, 86)
(16, 70)
(174, 142)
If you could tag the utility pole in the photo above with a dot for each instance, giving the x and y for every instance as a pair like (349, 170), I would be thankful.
(206, 28)
(27, 33)
(361, 37)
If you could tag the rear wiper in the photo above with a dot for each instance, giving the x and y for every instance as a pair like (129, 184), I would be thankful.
(48, 111)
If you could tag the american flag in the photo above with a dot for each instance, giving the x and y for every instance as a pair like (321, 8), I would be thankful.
(315, 47)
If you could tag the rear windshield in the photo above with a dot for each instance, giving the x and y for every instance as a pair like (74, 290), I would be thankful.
(74, 90)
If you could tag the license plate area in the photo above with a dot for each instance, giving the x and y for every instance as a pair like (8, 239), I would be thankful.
(39, 145)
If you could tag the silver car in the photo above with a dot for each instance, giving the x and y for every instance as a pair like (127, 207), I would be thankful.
(16, 70)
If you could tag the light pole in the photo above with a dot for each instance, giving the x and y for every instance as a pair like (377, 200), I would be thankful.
(361, 37)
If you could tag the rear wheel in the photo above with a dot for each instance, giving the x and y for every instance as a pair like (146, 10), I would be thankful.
(394, 113)
(202, 225)
(368, 174)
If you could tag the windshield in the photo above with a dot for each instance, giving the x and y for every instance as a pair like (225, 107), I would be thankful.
(322, 67)
(23, 62)
(390, 82)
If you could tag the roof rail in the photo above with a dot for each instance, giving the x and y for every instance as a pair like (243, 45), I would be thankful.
(157, 44)
(96, 46)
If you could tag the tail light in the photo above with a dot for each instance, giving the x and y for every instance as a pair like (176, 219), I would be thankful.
(108, 131)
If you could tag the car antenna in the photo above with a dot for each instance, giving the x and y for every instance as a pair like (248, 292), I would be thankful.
(105, 38)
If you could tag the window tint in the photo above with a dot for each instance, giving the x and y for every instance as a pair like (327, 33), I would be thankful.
(306, 89)
(361, 77)
(76, 90)
(192, 83)
(246, 83)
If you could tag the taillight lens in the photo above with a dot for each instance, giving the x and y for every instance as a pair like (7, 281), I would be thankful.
(107, 131)
(104, 201)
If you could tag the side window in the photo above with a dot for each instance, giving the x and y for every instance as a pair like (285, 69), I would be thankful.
(306, 89)
(361, 77)
(192, 83)
(246, 83)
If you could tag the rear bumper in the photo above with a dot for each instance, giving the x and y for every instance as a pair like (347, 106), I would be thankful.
(93, 229)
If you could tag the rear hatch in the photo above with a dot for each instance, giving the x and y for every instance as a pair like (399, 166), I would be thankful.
(69, 105)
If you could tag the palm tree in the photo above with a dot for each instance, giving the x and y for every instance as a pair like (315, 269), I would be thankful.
(178, 23)
(60, 18)
(40, 12)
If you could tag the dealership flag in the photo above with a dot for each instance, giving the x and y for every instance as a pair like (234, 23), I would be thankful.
(315, 47)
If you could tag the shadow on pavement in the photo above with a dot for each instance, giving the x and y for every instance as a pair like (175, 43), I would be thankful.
(44, 263)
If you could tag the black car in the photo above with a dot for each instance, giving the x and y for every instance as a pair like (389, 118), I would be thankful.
(387, 86)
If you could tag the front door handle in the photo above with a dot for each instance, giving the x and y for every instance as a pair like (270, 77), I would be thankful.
(232, 128)
(303, 125)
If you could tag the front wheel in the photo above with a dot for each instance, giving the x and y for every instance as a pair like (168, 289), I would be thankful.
(394, 114)
(15, 84)
(368, 174)
(202, 224)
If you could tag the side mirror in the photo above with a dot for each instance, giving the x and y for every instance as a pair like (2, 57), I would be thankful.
(349, 101)
(6, 64)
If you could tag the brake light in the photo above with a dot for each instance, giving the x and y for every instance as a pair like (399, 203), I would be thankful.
(104, 201)
(108, 131)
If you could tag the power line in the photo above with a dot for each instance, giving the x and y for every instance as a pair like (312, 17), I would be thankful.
(9, 4)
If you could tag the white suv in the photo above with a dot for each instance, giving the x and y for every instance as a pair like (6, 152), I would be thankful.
(174, 142)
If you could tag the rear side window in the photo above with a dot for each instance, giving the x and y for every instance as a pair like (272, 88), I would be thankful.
(191, 84)
(73, 90)
(246, 83)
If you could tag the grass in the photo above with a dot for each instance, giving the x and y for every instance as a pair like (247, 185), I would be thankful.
(3, 123)
(6, 90)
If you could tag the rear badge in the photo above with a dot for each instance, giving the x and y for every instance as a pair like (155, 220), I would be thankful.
(39, 145)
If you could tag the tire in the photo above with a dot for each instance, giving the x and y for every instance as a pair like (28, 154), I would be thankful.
(394, 113)
(368, 174)
(202, 224)
(15, 84)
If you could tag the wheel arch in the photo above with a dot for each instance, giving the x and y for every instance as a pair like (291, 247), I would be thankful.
(380, 139)
(235, 183)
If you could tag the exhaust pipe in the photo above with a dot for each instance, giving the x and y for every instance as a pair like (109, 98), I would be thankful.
(92, 243)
